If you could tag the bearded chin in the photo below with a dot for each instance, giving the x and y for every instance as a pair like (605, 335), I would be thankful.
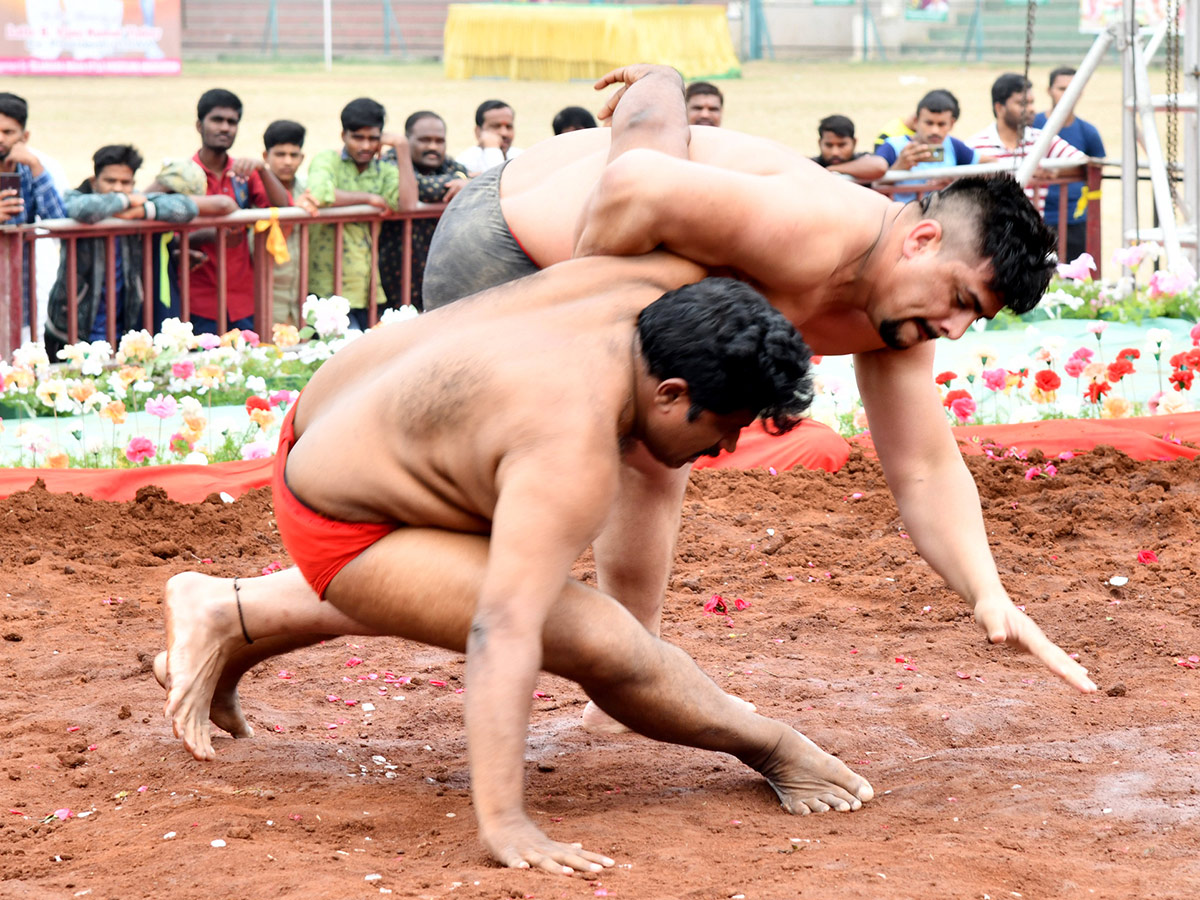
(889, 332)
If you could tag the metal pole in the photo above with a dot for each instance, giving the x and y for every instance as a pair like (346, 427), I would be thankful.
(1129, 148)
(329, 36)
(1064, 106)
(1154, 156)
(1191, 123)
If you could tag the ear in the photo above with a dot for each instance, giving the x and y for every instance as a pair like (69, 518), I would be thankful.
(925, 235)
(264, 156)
(199, 126)
(478, 132)
(670, 392)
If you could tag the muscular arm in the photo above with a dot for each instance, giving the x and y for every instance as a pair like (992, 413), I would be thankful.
(544, 518)
(647, 112)
(866, 168)
(938, 499)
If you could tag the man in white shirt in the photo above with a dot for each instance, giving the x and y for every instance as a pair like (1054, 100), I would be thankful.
(494, 131)
(1011, 136)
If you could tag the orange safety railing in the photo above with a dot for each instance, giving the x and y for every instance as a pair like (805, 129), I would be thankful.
(13, 238)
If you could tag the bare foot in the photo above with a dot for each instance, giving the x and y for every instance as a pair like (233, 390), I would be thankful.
(225, 710)
(202, 635)
(808, 780)
(597, 721)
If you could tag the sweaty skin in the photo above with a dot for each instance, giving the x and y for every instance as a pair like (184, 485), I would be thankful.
(492, 527)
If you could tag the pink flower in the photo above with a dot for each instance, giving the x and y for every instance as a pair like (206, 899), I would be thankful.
(1167, 283)
(1032, 472)
(184, 369)
(1074, 366)
(209, 341)
(139, 450)
(1147, 556)
(257, 450)
(251, 337)
(280, 398)
(1083, 353)
(1051, 470)
(739, 603)
(963, 408)
(995, 379)
(1152, 403)
(1097, 328)
(1129, 257)
(1195, 334)
(163, 406)
(1079, 269)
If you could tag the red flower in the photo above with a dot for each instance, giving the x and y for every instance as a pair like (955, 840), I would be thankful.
(1130, 354)
(1147, 556)
(1182, 379)
(254, 402)
(1047, 381)
(955, 395)
(1074, 366)
(946, 377)
(1119, 369)
(1096, 390)
(716, 606)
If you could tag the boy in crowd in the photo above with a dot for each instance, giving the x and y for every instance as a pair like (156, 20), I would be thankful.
(930, 146)
(355, 175)
(1084, 137)
(572, 118)
(283, 152)
(836, 142)
(32, 194)
(250, 184)
(705, 104)
(439, 179)
(495, 128)
(108, 193)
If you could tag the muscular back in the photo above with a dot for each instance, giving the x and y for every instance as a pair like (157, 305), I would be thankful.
(412, 422)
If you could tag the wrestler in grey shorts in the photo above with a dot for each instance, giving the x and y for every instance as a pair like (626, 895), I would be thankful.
(472, 248)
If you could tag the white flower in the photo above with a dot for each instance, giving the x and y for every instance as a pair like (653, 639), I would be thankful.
(191, 406)
(94, 444)
(116, 385)
(256, 383)
(1157, 336)
(142, 387)
(398, 314)
(98, 400)
(195, 458)
(74, 354)
(31, 355)
(1054, 345)
(1069, 403)
(175, 336)
(33, 437)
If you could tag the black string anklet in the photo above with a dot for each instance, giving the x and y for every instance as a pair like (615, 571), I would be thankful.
(237, 592)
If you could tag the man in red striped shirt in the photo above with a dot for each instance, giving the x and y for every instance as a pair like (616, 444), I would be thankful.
(1012, 137)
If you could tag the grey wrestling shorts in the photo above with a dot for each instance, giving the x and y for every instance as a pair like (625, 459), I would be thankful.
(473, 248)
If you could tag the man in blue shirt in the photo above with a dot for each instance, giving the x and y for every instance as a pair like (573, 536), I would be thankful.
(37, 198)
(1077, 133)
(930, 146)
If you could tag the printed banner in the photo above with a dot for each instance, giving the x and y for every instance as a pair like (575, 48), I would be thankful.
(90, 37)
(1097, 15)
(927, 10)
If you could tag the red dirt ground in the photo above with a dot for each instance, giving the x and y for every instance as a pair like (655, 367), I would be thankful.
(993, 780)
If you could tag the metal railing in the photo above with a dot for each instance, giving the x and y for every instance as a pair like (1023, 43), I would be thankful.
(14, 237)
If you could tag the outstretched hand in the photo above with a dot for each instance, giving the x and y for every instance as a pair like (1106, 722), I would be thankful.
(626, 76)
(519, 844)
(1005, 624)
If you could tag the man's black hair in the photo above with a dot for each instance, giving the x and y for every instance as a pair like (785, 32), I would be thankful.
(1006, 85)
(283, 131)
(363, 113)
(1010, 234)
(218, 97)
(702, 87)
(839, 125)
(735, 351)
(939, 101)
(14, 107)
(116, 155)
(1061, 70)
(411, 122)
(572, 117)
(487, 106)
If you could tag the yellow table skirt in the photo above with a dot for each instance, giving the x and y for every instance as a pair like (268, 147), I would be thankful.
(544, 42)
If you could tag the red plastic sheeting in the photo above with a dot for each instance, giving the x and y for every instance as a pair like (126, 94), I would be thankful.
(811, 446)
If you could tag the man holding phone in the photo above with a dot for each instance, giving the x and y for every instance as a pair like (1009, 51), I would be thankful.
(930, 146)
(27, 192)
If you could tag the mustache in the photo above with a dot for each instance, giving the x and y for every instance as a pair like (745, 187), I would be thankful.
(889, 331)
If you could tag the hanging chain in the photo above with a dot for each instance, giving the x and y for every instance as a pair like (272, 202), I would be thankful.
(1030, 16)
(1172, 96)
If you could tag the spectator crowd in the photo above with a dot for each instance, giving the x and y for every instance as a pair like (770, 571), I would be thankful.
(397, 171)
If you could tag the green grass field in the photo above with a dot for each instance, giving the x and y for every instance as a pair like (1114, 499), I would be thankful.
(72, 117)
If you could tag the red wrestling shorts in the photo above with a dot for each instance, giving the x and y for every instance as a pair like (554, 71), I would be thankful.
(321, 547)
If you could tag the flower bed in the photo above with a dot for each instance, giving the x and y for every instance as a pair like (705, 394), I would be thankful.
(171, 397)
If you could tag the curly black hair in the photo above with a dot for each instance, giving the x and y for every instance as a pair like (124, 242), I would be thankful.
(1009, 232)
(734, 350)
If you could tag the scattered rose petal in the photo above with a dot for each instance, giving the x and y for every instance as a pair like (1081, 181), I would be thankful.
(963, 675)
(771, 470)
(1147, 556)
(63, 813)
(437, 683)
(353, 661)
(285, 674)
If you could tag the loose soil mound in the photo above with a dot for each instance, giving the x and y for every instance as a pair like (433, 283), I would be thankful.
(993, 779)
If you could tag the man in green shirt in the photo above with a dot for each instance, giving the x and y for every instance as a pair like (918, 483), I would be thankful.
(349, 177)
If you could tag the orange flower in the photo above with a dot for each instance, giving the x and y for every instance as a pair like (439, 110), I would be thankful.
(80, 392)
(285, 335)
(57, 460)
(264, 418)
(130, 374)
(114, 412)
(20, 376)
(1115, 407)
(210, 376)
(195, 424)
